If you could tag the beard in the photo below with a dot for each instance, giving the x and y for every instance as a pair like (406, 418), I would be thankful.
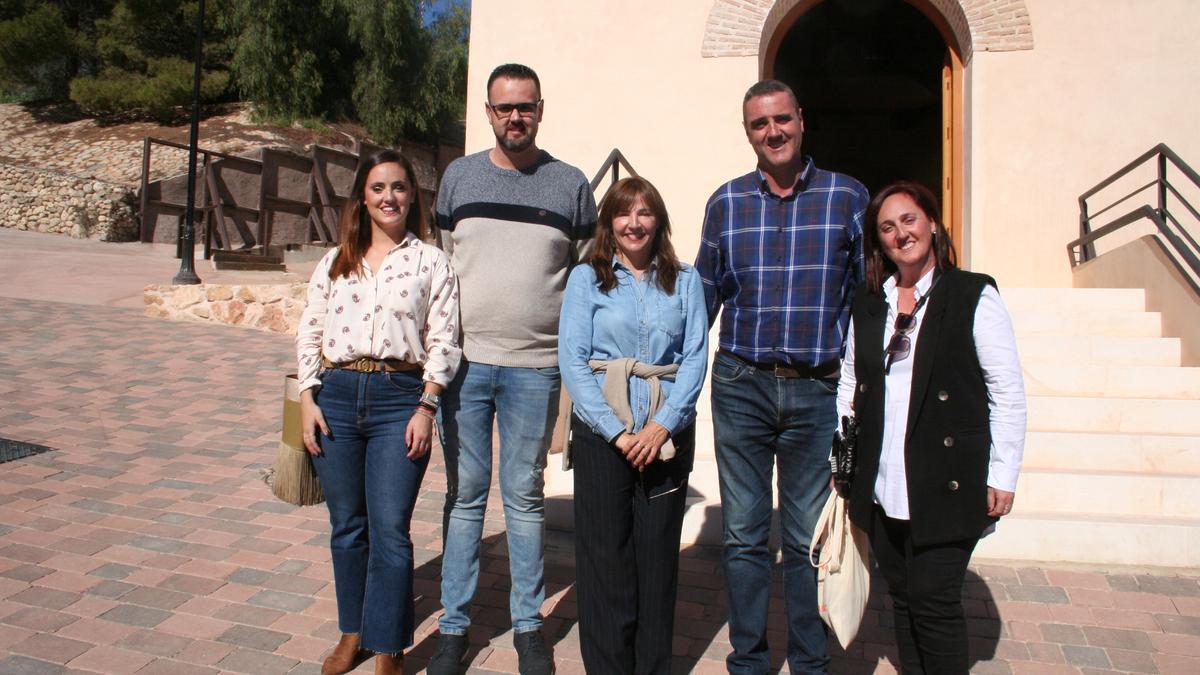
(515, 144)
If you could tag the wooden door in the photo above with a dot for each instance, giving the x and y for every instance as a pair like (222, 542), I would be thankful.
(952, 149)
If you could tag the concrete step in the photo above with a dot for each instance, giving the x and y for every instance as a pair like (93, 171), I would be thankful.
(1050, 321)
(244, 266)
(1115, 452)
(1109, 494)
(1127, 415)
(251, 260)
(1075, 300)
(1093, 538)
(1099, 350)
(1112, 457)
(1054, 379)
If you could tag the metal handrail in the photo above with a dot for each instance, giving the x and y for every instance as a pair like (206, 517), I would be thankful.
(615, 161)
(1184, 251)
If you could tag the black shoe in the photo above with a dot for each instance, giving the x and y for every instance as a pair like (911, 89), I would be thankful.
(532, 656)
(450, 651)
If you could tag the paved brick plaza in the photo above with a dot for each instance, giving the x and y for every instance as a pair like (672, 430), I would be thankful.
(146, 542)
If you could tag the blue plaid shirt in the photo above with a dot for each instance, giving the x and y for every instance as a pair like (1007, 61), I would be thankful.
(783, 268)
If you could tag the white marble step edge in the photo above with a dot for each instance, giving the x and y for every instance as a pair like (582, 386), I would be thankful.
(1050, 322)
(1114, 452)
(1126, 415)
(1108, 493)
(1161, 382)
(1099, 349)
(1094, 539)
(1075, 300)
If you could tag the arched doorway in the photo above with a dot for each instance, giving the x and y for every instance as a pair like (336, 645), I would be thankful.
(880, 82)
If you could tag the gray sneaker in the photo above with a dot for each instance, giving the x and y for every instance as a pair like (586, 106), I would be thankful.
(449, 655)
(533, 658)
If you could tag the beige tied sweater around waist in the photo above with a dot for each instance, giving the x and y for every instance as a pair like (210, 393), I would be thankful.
(616, 390)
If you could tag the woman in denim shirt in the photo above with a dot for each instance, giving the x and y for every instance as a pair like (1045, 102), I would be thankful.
(633, 348)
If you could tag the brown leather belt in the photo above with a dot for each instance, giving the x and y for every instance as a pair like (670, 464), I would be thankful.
(369, 365)
(821, 371)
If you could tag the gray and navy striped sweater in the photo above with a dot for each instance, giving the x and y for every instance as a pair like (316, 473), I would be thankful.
(513, 237)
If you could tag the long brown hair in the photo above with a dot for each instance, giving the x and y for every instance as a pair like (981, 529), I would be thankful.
(619, 198)
(355, 223)
(879, 266)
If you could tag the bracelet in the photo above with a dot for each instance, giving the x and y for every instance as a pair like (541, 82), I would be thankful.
(426, 413)
(425, 406)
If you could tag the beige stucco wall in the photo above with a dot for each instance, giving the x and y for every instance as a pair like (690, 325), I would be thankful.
(615, 74)
(1105, 80)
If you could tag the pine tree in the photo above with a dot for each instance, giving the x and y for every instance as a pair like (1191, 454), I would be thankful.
(145, 51)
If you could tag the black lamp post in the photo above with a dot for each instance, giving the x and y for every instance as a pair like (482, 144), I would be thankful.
(187, 239)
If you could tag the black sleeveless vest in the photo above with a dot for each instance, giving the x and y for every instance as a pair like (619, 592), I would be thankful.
(947, 447)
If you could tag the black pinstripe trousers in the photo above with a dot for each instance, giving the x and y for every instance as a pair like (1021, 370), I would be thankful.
(627, 527)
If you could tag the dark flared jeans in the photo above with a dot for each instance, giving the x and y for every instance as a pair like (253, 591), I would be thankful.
(371, 488)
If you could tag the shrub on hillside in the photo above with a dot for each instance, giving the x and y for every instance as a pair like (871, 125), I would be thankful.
(166, 85)
(37, 53)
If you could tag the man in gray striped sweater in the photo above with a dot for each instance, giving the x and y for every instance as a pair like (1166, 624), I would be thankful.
(514, 221)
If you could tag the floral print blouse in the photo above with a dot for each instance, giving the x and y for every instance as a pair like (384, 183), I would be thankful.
(407, 311)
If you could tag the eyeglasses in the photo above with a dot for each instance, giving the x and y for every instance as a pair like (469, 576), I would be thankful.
(523, 109)
(900, 345)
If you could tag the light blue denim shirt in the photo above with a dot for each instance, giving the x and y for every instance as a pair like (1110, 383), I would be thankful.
(636, 319)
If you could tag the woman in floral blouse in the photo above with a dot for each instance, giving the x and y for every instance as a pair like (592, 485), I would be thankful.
(377, 343)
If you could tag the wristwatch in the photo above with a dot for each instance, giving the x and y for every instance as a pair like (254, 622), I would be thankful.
(431, 400)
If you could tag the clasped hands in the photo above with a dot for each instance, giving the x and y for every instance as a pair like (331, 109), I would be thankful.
(643, 447)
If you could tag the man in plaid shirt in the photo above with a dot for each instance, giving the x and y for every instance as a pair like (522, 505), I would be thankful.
(781, 254)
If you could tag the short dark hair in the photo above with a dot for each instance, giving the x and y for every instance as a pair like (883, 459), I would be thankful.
(879, 266)
(764, 87)
(514, 71)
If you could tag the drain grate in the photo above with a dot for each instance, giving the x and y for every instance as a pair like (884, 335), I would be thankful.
(10, 450)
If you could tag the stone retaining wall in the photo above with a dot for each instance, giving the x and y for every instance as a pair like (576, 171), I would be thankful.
(47, 201)
(269, 307)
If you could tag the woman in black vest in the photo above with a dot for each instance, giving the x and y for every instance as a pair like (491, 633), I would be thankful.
(932, 376)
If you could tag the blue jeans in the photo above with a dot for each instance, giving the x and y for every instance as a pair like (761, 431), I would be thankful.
(524, 403)
(759, 421)
(371, 488)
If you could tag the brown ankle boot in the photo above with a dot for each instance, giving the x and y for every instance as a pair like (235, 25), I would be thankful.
(389, 664)
(345, 657)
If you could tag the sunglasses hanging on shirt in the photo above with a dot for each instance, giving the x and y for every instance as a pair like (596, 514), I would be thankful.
(900, 345)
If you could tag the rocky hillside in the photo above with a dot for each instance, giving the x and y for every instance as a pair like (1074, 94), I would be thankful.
(63, 173)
